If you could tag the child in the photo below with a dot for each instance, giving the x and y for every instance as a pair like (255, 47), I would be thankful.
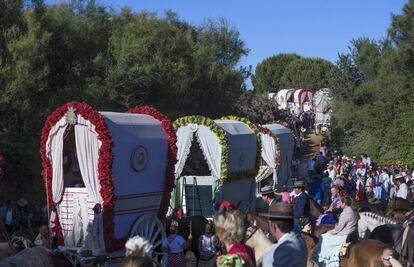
(207, 247)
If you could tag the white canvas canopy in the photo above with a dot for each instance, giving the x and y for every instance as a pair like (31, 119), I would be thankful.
(300, 97)
(322, 105)
(241, 142)
(283, 97)
(270, 149)
(133, 191)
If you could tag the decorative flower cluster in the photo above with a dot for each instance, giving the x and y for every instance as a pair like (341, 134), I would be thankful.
(171, 156)
(219, 132)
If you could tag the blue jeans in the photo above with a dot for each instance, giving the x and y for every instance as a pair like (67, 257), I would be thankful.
(297, 226)
(384, 196)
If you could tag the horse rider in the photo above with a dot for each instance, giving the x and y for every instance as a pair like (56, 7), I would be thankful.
(327, 251)
(301, 209)
(267, 194)
(290, 249)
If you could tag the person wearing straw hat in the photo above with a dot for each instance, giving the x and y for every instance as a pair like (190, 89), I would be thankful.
(290, 249)
(402, 189)
(301, 208)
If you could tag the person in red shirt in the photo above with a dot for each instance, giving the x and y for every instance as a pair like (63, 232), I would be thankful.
(230, 230)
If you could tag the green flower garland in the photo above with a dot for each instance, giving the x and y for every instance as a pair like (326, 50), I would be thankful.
(219, 132)
(248, 173)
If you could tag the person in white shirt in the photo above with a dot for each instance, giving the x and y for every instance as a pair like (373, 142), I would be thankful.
(402, 186)
(385, 182)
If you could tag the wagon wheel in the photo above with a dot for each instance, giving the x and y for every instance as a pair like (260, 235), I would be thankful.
(149, 227)
(244, 206)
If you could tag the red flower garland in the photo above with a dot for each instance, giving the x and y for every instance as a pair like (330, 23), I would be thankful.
(104, 169)
(171, 156)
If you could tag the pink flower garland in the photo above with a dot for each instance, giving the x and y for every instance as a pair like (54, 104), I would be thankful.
(104, 169)
(171, 157)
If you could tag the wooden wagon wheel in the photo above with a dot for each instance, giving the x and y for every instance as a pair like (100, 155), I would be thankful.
(150, 227)
(244, 206)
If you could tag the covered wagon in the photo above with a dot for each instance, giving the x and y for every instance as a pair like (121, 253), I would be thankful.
(302, 99)
(277, 151)
(323, 108)
(108, 175)
(229, 148)
(284, 98)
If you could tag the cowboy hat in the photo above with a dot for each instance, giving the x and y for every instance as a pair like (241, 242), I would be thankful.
(22, 202)
(298, 183)
(267, 189)
(279, 210)
(399, 177)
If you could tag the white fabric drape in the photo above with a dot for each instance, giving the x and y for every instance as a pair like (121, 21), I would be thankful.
(209, 144)
(87, 150)
(184, 138)
(269, 153)
(80, 221)
(54, 150)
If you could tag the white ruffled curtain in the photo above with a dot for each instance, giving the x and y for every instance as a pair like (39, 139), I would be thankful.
(269, 153)
(184, 139)
(54, 150)
(210, 146)
(80, 221)
(87, 150)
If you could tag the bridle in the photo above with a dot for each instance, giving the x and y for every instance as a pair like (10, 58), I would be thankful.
(250, 232)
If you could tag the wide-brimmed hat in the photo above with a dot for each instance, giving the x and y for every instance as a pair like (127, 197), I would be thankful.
(399, 177)
(267, 189)
(298, 183)
(22, 202)
(281, 210)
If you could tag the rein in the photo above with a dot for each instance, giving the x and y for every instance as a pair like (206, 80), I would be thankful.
(252, 230)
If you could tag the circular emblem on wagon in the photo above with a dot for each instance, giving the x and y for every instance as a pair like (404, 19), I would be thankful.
(139, 159)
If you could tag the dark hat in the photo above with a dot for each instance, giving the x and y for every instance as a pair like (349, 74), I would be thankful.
(267, 189)
(298, 183)
(280, 210)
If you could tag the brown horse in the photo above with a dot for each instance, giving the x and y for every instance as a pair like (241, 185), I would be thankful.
(364, 253)
(399, 204)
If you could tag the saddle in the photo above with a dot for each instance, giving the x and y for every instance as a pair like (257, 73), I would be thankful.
(351, 239)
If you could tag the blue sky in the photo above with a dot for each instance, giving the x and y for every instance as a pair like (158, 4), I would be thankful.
(311, 28)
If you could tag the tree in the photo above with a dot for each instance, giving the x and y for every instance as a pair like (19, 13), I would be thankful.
(307, 73)
(258, 108)
(269, 72)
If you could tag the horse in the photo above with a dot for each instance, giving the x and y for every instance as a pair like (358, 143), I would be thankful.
(392, 234)
(258, 241)
(368, 221)
(399, 204)
(364, 253)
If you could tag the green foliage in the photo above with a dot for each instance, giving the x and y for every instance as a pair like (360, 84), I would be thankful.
(268, 74)
(82, 51)
(307, 73)
(373, 87)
